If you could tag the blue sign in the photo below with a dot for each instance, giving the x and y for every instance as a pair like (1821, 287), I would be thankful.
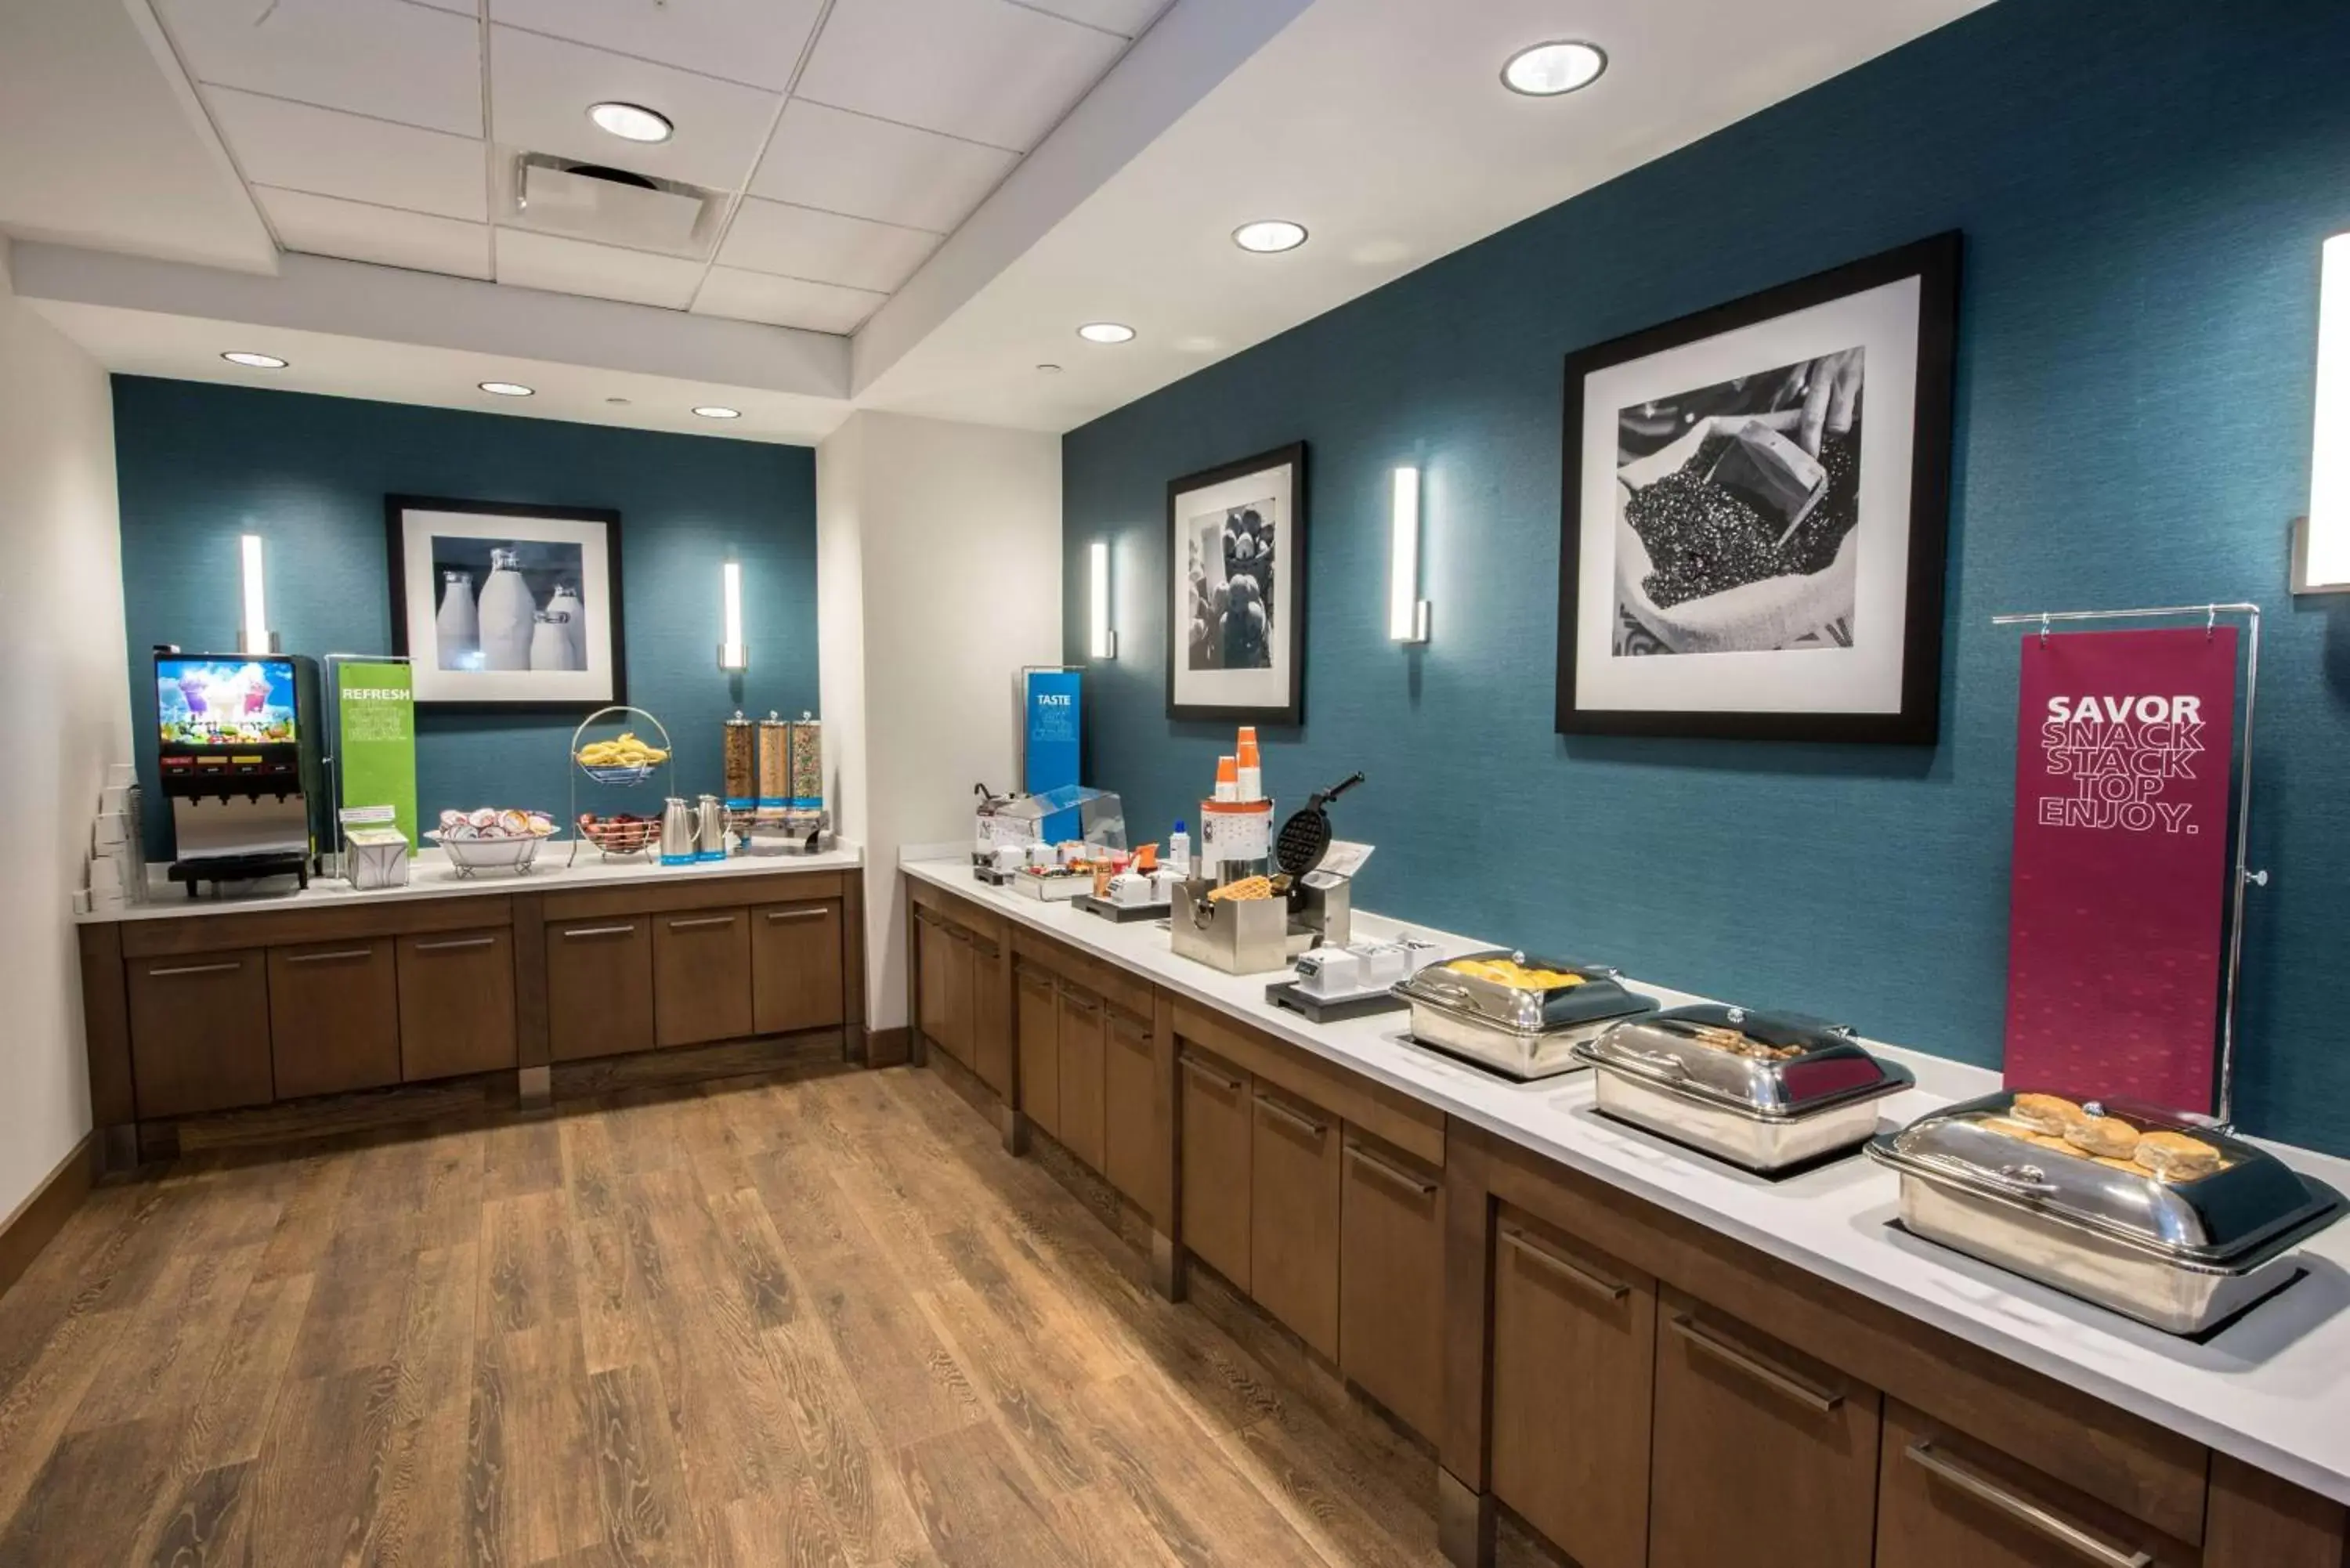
(1051, 751)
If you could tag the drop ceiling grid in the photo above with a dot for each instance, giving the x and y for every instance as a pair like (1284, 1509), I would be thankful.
(336, 119)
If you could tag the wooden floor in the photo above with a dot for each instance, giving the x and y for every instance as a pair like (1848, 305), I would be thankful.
(812, 1321)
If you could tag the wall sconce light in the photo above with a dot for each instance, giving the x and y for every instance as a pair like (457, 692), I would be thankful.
(734, 653)
(1101, 642)
(2321, 540)
(1406, 611)
(253, 633)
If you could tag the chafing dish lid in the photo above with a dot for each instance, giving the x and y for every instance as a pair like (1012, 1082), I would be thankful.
(2249, 1201)
(1523, 1010)
(1772, 1065)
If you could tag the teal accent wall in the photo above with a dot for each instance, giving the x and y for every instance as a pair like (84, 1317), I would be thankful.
(2144, 185)
(199, 464)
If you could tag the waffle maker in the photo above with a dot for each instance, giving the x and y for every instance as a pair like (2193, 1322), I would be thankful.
(1321, 905)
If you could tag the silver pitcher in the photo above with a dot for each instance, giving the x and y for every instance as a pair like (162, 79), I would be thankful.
(710, 828)
(678, 832)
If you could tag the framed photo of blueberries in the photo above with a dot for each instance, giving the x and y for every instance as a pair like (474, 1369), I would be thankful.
(1236, 564)
(1755, 513)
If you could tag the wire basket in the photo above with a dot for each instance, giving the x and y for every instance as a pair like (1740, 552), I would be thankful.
(468, 855)
(614, 840)
(621, 840)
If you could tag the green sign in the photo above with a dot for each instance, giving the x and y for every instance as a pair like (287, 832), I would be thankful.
(375, 748)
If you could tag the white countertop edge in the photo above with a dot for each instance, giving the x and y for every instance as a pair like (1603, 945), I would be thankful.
(430, 876)
(2050, 1332)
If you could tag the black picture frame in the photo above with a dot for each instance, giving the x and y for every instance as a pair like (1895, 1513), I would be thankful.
(1936, 263)
(395, 510)
(1290, 709)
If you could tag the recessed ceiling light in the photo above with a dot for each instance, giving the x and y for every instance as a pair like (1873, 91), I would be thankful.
(1050, 369)
(256, 361)
(1546, 70)
(1105, 332)
(508, 388)
(631, 121)
(714, 411)
(1268, 235)
(616, 399)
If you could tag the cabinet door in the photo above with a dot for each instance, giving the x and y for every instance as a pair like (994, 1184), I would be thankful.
(1040, 1050)
(1216, 1147)
(1081, 1043)
(930, 945)
(1129, 1123)
(960, 1002)
(1764, 1456)
(1294, 1217)
(199, 1032)
(991, 1018)
(1391, 1281)
(702, 977)
(1946, 1501)
(600, 987)
(456, 1005)
(334, 1017)
(1574, 1337)
(795, 967)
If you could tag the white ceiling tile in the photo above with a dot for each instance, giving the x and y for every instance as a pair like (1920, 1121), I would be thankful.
(298, 148)
(574, 266)
(320, 225)
(823, 247)
(853, 164)
(755, 41)
(785, 301)
(540, 89)
(1126, 17)
(414, 64)
(985, 70)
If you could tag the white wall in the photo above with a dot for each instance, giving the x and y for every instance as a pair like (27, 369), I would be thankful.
(952, 533)
(61, 642)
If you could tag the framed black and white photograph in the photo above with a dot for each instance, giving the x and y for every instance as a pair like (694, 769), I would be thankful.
(1236, 555)
(504, 606)
(1756, 510)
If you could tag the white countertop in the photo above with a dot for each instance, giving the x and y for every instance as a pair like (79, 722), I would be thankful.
(2273, 1390)
(430, 876)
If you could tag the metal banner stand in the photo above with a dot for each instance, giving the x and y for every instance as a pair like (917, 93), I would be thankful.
(2245, 876)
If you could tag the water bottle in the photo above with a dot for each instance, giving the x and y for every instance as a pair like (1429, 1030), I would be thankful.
(1179, 851)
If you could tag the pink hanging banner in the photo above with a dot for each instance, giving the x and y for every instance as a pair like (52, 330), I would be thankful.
(2122, 764)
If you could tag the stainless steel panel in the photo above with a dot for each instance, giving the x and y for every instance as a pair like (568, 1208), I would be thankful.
(1756, 1142)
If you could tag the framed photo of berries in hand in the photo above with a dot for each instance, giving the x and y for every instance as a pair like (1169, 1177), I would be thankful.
(1756, 510)
(1236, 564)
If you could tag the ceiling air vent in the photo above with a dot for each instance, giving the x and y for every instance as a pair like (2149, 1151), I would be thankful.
(612, 206)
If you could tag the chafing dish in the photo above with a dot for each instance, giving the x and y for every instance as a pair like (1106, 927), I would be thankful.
(2181, 1254)
(1759, 1091)
(1519, 1031)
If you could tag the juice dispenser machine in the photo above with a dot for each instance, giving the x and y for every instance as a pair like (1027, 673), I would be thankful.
(237, 755)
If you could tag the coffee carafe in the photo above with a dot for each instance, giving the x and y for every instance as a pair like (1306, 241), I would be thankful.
(710, 829)
(678, 832)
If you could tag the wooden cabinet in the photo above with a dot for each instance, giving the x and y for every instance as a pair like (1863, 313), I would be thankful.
(599, 986)
(334, 1017)
(1764, 1456)
(1946, 1501)
(199, 1032)
(931, 944)
(1081, 1044)
(456, 1003)
(1129, 1114)
(702, 977)
(990, 1017)
(1037, 1024)
(795, 967)
(1391, 1279)
(1216, 1147)
(960, 965)
(1295, 1186)
(1574, 1335)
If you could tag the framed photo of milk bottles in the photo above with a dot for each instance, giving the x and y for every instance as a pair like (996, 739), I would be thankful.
(504, 606)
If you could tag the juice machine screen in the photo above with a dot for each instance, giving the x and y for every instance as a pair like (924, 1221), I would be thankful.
(225, 713)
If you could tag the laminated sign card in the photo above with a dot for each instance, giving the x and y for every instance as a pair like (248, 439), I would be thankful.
(2122, 838)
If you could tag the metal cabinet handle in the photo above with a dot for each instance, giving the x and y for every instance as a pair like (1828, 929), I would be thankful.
(578, 933)
(1079, 1002)
(701, 922)
(1191, 1066)
(776, 916)
(2039, 1516)
(1393, 1172)
(340, 956)
(1298, 1119)
(197, 968)
(1590, 1281)
(1803, 1390)
(458, 944)
(1134, 1036)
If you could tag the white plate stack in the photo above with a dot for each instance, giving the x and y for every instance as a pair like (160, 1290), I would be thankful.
(118, 862)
